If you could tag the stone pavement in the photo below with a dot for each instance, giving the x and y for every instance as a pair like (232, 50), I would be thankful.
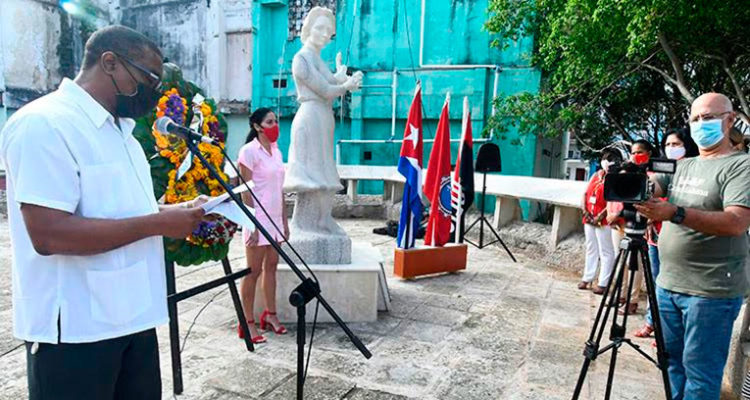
(498, 330)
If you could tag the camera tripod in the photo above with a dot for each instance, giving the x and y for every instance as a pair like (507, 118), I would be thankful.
(633, 247)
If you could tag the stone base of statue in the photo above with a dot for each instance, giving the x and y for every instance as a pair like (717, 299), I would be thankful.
(320, 249)
(356, 290)
(315, 235)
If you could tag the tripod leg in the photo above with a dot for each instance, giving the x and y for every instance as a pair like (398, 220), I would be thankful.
(617, 332)
(611, 293)
(591, 350)
(661, 353)
(497, 236)
(471, 226)
(481, 230)
(481, 212)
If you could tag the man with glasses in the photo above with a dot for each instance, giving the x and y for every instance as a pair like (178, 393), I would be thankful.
(702, 248)
(86, 231)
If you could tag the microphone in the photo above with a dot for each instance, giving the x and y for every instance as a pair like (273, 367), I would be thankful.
(166, 125)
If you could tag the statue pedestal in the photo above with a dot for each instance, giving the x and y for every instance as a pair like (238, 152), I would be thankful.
(318, 248)
(356, 291)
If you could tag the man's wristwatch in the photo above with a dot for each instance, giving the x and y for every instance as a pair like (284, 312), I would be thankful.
(678, 216)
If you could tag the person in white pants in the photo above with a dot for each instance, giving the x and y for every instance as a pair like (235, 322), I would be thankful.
(600, 253)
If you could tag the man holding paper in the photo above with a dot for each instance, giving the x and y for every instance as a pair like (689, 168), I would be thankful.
(89, 284)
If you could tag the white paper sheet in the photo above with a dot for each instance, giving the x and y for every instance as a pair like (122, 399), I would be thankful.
(214, 201)
(224, 206)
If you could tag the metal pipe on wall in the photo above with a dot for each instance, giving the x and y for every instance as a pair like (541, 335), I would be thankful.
(394, 89)
(386, 141)
(494, 95)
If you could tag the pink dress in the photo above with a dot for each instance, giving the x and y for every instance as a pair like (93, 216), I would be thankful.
(268, 177)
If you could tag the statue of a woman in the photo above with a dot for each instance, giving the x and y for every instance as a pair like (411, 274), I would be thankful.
(311, 169)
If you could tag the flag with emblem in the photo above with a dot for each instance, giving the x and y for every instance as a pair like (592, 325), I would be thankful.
(462, 183)
(410, 166)
(437, 183)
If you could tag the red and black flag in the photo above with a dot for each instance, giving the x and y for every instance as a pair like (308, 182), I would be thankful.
(462, 181)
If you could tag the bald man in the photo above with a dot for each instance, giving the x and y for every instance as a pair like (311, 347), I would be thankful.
(703, 248)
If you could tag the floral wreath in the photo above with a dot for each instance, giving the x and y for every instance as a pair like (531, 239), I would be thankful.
(179, 177)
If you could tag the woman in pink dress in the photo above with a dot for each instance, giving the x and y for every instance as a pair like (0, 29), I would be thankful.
(260, 162)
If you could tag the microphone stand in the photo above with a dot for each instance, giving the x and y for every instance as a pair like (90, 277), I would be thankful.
(302, 294)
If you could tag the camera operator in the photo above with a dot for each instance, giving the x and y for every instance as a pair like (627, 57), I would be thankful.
(675, 145)
(702, 250)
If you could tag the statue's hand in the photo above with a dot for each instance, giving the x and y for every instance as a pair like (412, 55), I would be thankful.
(353, 83)
(341, 69)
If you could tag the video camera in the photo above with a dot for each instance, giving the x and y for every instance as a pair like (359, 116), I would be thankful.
(628, 182)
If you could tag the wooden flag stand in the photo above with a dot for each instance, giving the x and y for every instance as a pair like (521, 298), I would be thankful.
(429, 260)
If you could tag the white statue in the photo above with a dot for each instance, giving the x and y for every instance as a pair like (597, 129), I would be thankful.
(311, 169)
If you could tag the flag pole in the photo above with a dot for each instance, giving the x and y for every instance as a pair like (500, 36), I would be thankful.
(459, 236)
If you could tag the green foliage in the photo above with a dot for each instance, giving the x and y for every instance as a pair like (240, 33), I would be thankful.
(622, 68)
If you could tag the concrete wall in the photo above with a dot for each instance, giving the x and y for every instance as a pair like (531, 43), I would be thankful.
(30, 59)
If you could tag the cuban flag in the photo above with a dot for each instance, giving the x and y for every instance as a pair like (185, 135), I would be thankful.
(437, 183)
(462, 183)
(410, 166)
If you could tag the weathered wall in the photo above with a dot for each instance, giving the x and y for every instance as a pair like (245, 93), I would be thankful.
(31, 62)
(178, 27)
(210, 40)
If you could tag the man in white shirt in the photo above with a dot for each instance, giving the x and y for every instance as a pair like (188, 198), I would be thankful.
(88, 261)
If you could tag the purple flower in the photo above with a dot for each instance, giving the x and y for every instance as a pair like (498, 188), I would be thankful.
(214, 132)
(175, 109)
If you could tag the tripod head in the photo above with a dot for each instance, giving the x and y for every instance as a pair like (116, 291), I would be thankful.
(635, 223)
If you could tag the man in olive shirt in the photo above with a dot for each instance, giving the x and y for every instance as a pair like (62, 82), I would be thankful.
(703, 249)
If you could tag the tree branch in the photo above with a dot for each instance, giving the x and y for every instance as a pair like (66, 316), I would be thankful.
(662, 73)
(677, 67)
(735, 84)
(737, 89)
(617, 124)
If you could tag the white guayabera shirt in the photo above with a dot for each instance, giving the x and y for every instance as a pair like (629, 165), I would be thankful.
(64, 151)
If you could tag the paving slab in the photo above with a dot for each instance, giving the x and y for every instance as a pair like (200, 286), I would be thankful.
(498, 330)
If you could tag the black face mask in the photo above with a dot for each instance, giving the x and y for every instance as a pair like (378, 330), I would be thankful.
(138, 104)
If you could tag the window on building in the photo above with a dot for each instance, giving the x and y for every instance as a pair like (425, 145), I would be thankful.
(580, 174)
(298, 9)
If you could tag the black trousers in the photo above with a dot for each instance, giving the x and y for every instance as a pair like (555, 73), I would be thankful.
(114, 369)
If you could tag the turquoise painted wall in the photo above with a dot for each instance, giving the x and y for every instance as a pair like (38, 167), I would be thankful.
(380, 32)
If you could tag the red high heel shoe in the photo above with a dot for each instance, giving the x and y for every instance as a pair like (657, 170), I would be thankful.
(265, 324)
(256, 339)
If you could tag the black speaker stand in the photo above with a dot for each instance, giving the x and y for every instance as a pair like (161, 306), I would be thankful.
(482, 220)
